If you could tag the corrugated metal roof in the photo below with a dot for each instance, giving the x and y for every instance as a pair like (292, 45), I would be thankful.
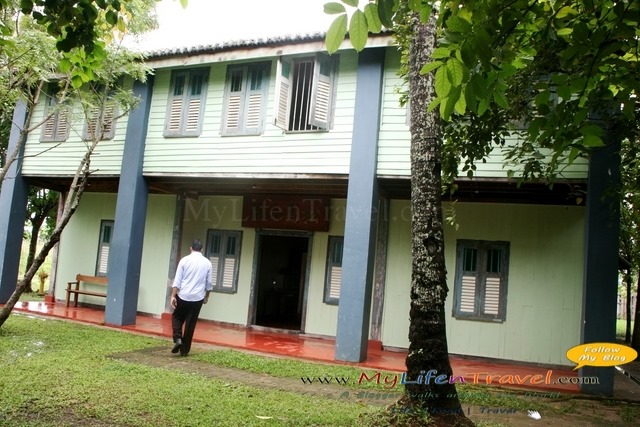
(236, 44)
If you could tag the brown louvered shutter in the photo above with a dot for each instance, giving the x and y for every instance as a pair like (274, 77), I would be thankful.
(62, 125)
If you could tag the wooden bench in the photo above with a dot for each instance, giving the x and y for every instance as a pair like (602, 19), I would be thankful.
(74, 287)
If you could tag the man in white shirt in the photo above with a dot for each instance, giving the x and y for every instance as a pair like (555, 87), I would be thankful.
(190, 290)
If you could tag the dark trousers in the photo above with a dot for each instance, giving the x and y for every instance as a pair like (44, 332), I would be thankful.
(186, 313)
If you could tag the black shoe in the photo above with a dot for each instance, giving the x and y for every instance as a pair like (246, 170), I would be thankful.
(183, 354)
(177, 346)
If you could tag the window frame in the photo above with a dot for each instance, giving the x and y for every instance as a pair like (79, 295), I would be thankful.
(332, 244)
(185, 98)
(245, 99)
(104, 224)
(61, 115)
(219, 270)
(321, 97)
(480, 285)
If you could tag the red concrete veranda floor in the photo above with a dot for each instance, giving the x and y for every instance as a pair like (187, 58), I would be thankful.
(316, 349)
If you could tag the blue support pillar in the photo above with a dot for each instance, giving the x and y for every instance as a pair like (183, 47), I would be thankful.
(13, 209)
(601, 259)
(125, 255)
(358, 258)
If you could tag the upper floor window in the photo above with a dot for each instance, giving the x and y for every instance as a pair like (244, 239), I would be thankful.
(333, 276)
(106, 231)
(186, 102)
(305, 93)
(481, 280)
(56, 128)
(245, 99)
(223, 250)
(100, 123)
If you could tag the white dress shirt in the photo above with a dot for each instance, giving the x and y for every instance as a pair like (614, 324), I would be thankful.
(193, 277)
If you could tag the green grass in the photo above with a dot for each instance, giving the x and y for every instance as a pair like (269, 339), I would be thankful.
(58, 373)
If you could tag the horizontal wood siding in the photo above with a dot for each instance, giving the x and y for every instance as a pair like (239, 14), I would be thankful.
(63, 158)
(272, 152)
(395, 138)
(544, 294)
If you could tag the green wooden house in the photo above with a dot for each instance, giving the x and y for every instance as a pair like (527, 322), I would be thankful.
(293, 167)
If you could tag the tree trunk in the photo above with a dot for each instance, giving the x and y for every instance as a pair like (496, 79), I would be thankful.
(36, 224)
(635, 339)
(627, 335)
(428, 350)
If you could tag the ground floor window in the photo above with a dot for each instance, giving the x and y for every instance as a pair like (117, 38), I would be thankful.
(481, 280)
(334, 270)
(106, 231)
(223, 250)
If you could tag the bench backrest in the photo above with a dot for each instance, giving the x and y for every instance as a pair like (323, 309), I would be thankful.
(98, 280)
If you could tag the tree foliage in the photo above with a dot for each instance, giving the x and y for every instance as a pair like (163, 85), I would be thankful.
(87, 88)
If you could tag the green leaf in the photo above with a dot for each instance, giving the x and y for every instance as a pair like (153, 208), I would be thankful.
(184, 3)
(358, 30)
(455, 71)
(353, 3)
(461, 105)
(593, 130)
(65, 65)
(441, 83)
(447, 107)
(76, 81)
(592, 141)
(334, 8)
(458, 25)
(441, 53)
(564, 11)
(430, 66)
(373, 19)
(434, 104)
(500, 99)
(335, 33)
(386, 10)
(564, 31)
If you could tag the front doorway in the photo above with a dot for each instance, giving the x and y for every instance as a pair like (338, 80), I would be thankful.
(280, 280)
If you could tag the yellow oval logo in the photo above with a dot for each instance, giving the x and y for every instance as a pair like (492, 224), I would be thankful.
(601, 354)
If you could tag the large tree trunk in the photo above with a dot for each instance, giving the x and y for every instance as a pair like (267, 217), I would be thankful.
(427, 333)
(36, 224)
(635, 339)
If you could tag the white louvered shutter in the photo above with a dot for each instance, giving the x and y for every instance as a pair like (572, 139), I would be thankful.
(175, 116)
(254, 111)
(228, 272)
(283, 94)
(193, 116)
(320, 113)
(103, 262)
(234, 106)
(468, 294)
(215, 262)
(492, 296)
(335, 281)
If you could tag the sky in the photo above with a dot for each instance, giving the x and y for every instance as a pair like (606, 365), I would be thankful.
(206, 22)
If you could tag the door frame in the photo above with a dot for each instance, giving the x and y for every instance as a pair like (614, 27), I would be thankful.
(255, 272)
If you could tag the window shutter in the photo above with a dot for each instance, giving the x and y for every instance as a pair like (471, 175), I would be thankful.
(254, 109)
(321, 96)
(235, 93)
(193, 116)
(62, 128)
(103, 262)
(90, 127)
(108, 121)
(215, 261)
(175, 116)
(283, 92)
(492, 296)
(334, 282)
(49, 128)
(468, 294)
(233, 113)
(228, 272)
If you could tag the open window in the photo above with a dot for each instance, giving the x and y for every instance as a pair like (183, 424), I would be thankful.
(245, 99)
(305, 93)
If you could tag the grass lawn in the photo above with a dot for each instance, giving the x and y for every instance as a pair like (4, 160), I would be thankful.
(59, 374)
(621, 328)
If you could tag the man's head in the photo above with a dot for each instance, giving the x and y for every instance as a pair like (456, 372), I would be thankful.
(196, 245)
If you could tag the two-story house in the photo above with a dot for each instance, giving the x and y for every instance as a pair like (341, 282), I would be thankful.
(293, 167)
